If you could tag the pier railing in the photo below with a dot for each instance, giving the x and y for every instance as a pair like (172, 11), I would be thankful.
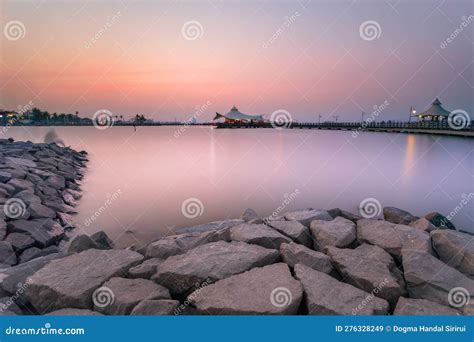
(360, 126)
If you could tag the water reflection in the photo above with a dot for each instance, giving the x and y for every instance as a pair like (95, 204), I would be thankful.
(230, 170)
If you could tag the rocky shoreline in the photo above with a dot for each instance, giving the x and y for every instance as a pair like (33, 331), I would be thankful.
(310, 261)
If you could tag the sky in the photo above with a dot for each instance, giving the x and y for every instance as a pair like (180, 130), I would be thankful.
(179, 59)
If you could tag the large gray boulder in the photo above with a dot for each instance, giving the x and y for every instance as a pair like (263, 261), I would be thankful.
(398, 216)
(102, 240)
(118, 296)
(81, 243)
(7, 254)
(422, 307)
(69, 282)
(20, 162)
(429, 278)
(211, 262)
(423, 224)
(179, 244)
(439, 221)
(211, 226)
(293, 229)
(258, 234)
(35, 252)
(20, 185)
(37, 210)
(73, 312)
(146, 269)
(28, 197)
(20, 241)
(371, 269)
(456, 249)
(325, 295)
(249, 215)
(345, 214)
(14, 279)
(269, 290)
(152, 307)
(393, 237)
(339, 232)
(45, 232)
(56, 182)
(306, 216)
(293, 253)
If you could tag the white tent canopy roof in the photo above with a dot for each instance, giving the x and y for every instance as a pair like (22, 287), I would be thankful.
(436, 109)
(234, 114)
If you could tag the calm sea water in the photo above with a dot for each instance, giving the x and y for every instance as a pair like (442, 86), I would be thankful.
(137, 182)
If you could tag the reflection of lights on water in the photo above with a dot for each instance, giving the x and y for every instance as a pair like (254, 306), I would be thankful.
(409, 157)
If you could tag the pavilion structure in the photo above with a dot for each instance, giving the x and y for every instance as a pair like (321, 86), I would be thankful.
(234, 116)
(436, 112)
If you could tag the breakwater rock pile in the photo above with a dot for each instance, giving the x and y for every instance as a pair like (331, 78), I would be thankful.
(316, 262)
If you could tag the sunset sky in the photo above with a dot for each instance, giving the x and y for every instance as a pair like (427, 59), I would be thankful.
(307, 57)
